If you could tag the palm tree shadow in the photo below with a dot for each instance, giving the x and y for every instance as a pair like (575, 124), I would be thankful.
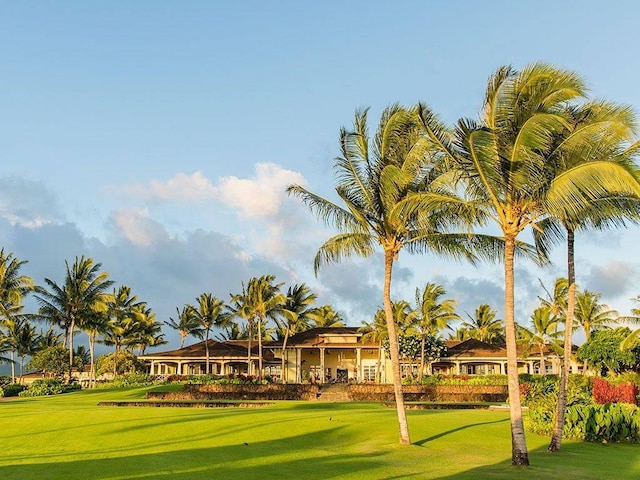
(448, 432)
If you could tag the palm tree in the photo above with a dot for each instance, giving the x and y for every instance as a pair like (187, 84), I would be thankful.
(376, 331)
(296, 313)
(326, 316)
(431, 316)
(259, 301)
(185, 324)
(591, 314)
(82, 295)
(544, 332)
(94, 326)
(632, 339)
(483, 325)
(209, 312)
(123, 321)
(381, 183)
(13, 286)
(26, 342)
(503, 165)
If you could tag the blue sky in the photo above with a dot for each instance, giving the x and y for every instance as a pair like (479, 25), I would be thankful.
(157, 137)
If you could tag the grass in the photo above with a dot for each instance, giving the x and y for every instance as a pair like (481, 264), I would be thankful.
(70, 437)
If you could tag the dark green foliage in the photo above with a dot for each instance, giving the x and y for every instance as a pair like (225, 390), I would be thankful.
(11, 390)
(603, 351)
(52, 361)
(126, 362)
(47, 386)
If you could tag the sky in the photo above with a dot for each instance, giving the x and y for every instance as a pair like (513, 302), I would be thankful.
(158, 137)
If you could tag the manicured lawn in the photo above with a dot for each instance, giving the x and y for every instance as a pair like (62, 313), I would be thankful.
(70, 437)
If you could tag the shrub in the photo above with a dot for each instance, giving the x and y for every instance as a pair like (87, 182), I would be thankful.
(11, 390)
(47, 386)
(125, 362)
(611, 422)
(464, 380)
(133, 380)
(606, 392)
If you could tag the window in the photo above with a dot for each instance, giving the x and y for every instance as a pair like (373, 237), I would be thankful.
(369, 373)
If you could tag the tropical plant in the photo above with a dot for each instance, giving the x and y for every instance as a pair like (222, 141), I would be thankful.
(27, 340)
(123, 318)
(483, 325)
(185, 324)
(82, 295)
(209, 311)
(295, 316)
(381, 182)
(503, 163)
(543, 334)
(602, 351)
(259, 301)
(326, 316)
(431, 315)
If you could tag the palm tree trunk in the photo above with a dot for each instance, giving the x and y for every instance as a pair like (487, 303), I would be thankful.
(543, 367)
(421, 372)
(13, 367)
(92, 369)
(284, 349)
(379, 363)
(556, 437)
(71, 328)
(249, 348)
(260, 347)
(206, 349)
(394, 349)
(519, 454)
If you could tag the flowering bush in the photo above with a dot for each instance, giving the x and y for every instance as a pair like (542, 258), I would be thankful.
(605, 392)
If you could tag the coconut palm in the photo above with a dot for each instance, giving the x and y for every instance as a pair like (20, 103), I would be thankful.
(26, 341)
(13, 286)
(185, 324)
(123, 320)
(596, 140)
(632, 339)
(592, 314)
(83, 294)
(209, 311)
(376, 331)
(503, 166)
(381, 181)
(326, 316)
(483, 325)
(296, 315)
(543, 333)
(431, 315)
(259, 301)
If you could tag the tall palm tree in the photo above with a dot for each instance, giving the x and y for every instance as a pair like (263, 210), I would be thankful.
(502, 163)
(543, 333)
(185, 324)
(326, 316)
(209, 311)
(26, 342)
(597, 139)
(296, 316)
(123, 317)
(483, 325)
(83, 293)
(432, 315)
(259, 301)
(381, 181)
(13, 286)
(592, 314)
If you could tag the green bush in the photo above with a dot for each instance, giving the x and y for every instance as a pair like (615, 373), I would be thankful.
(612, 422)
(47, 386)
(132, 380)
(11, 390)
(464, 380)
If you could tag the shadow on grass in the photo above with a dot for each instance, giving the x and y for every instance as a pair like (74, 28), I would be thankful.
(292, 457)
(454, 430)
(576, 461)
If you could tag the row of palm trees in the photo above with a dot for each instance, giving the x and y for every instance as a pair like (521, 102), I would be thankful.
(540, 157)
(84, 301)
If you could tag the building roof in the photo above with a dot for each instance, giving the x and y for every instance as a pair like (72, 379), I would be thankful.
(226, 349)
(317, 337)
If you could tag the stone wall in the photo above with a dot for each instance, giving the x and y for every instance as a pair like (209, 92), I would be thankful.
(240, 392)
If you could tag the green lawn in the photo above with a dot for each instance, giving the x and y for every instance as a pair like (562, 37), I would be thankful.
(70, 437)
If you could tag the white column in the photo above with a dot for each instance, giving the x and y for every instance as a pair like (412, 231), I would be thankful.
(321, 379)
(298, 365)
(359, 365)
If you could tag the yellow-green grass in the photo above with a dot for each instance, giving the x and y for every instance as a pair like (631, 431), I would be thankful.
(70, 437)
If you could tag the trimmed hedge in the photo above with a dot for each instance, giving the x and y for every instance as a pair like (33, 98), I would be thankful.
(214, 391)
(430, 393)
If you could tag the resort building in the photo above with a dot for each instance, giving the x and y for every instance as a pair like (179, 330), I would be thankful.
(340, 354)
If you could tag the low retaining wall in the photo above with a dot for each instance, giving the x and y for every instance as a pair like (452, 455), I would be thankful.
(240, 392)
(430, 393)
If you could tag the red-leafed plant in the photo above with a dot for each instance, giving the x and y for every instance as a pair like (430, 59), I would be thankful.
(605, 392)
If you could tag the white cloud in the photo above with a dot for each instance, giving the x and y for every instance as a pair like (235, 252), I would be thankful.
(262, 195)
(138, 228)
(182, 187)
(26, 203)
